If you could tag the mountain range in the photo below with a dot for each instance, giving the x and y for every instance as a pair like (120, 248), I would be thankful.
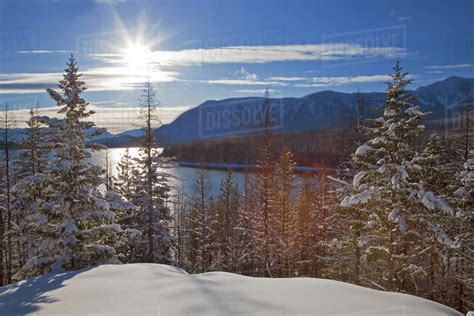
(321, 110)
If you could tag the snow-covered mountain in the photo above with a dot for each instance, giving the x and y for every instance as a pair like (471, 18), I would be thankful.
(154, 289)
(325, 109)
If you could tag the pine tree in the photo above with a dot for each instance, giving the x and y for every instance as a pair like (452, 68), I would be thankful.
(200, 223)
(397, 209)
(123, 181)
(35, 146)
(6, 219)
(282, 207)
(263, 194)
(152, 189)
(303, 228)
(73, 225)
(226, 211)
(246, 230)
(26, 192)
(464, 254)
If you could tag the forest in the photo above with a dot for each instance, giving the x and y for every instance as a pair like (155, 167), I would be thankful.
(399, 218)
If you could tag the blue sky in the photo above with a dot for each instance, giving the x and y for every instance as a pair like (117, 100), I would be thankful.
(200, 50)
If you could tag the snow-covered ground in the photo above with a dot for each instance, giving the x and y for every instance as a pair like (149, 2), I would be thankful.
(153, 289)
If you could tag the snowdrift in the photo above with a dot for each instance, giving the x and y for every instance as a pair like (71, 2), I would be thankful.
(154, 289)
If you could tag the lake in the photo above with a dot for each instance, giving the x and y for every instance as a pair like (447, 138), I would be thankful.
(184, 176)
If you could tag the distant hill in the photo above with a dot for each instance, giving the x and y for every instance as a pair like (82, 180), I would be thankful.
(326, 109)
(313, 112)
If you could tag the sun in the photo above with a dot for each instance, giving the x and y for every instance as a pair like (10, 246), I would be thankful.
(137, 55)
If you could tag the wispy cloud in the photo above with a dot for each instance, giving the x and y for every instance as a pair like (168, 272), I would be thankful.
(256, 91)
(244, 74)
(242, 77)
(44, 51)
(446, 67)
(116, 119)
(288, 78)
(97, 79)
(242, 82)
(263, 54)
(342, 80)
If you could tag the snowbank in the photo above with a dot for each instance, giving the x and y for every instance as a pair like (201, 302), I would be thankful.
(154, 289)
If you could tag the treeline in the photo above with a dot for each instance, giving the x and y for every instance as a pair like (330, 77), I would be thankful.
(327, 147)
(270, 227)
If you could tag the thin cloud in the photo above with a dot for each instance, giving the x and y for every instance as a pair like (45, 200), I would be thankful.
(457, 66)
(242, 82)
(256, 91)
(97, 79)
(116, 119)
(44, 51)
(316, 82)
(263, 54)
(288, 78)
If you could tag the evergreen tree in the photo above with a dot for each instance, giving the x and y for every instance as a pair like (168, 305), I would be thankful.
(263, 215)
(226, 211)
(123, 181)
(386, 197)
(464, 254)
(245, 230)
(200, 223)
(73, 225)
(152, 185)
(26, 192)
(303, 227)
(6, 219)
(283, 208)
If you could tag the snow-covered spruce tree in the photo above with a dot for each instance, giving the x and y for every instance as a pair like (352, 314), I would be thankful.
(123, 181)
(180, 213)
(245, 230)
(349, 227)
(226, 211)
(199, 223)
(283, 208)
(386, 197)
(73, 225)
(35, 147)
(152, 185)
(26, 193)
(263, 192)
(462, 257)
(303, 228)
(440, 173)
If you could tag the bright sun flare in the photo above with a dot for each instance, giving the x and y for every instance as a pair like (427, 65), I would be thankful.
(137, 55)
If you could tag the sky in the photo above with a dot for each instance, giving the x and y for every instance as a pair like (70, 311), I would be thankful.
(195, 51)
